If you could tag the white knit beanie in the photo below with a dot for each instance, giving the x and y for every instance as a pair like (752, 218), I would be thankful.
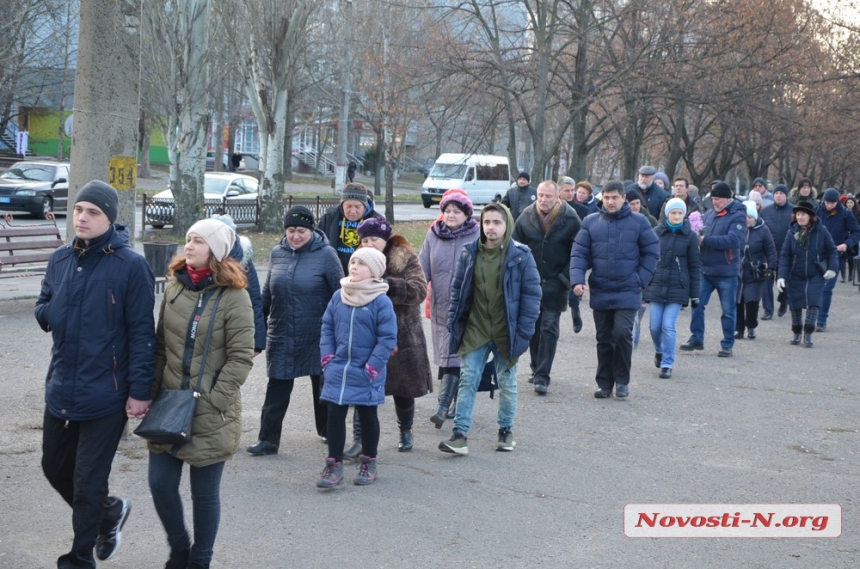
(217, 235)
(374, 260)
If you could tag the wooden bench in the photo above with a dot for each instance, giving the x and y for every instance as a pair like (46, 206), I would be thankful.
(25, 249)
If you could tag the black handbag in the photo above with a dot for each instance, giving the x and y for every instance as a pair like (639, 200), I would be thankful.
(761, 272)
(169, 419)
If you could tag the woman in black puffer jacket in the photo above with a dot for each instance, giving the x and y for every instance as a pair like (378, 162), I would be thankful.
(676, 282)
(758, 250)
(304, 273)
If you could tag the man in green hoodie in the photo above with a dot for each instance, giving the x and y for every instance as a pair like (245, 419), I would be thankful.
(495, 301)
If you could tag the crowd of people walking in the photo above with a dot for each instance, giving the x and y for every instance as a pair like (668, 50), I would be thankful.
(342, 304)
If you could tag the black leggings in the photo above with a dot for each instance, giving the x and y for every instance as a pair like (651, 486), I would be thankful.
(369, 421)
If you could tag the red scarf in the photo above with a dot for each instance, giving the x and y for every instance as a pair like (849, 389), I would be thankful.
(198, 275)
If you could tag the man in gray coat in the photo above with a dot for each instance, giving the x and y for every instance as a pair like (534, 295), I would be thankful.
(548, 227)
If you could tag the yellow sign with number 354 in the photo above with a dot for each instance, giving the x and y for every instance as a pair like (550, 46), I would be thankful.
(122, 173)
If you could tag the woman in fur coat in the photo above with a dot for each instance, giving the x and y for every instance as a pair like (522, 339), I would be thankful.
(409, 368)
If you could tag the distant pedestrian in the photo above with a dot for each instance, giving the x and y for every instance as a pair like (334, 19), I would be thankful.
(808, 259)
(778, 217)
(845, 232)
(351, 169)
(520, 195)
(758, 257)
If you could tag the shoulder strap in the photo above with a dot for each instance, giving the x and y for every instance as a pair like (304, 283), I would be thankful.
(191, 337)
(208, 340)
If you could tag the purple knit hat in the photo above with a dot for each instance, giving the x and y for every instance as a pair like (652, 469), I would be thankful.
(374, 227)
(460, 199)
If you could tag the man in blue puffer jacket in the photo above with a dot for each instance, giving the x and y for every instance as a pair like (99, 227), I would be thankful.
(621, 250)
(97, 302)
(495, 301)
(720, 249)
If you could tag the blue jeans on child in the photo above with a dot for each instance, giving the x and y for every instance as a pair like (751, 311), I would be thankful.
(165, 473)
(471, 368)
(662, 325)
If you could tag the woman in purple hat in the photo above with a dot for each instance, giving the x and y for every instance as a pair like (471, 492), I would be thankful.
(445, 240)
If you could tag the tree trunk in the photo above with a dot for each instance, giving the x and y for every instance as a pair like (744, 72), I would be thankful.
(272, 179)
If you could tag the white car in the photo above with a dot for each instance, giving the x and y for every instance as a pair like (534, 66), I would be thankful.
(219, 189)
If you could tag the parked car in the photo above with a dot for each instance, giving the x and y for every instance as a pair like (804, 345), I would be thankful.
(39, 188)
(219, 190)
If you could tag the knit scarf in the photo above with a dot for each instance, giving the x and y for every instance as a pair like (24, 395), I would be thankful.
(548, 219)
(442, 231)
(361, 293)
(802, 235)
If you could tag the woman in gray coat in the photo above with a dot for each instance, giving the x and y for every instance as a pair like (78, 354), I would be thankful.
(438, 257)
(304, 273)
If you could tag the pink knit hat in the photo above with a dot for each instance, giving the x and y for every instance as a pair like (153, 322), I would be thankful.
(459, 198)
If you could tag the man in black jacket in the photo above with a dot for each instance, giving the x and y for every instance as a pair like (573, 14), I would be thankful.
(845, 232)
(548, 228)
(97, 302)
(777, 217)
(520, 195)
(653, 195)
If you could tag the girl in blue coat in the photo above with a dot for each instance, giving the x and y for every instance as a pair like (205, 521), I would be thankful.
(359, 332)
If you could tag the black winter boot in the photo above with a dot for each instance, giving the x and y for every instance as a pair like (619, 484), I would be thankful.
(405, 417)
(178, 560)
(795, 340)
(447, 390)
(807, 335)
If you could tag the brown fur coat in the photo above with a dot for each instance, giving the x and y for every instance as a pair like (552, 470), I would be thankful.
(409, 368)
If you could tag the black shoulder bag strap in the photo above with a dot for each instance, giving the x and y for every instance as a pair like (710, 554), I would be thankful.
(191, 338)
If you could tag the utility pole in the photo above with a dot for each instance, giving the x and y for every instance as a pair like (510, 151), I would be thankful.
(107, 102)
(346, 91)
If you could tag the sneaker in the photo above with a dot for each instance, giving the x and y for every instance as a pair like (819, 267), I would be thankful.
(725, 353)
(621, 391)
(506, 440)
(821, 327)
(107, 543)
(603, 393)
(366, 471)
(692, 345)
(352, 454)
(665, 373)
(332, 474)
(767, 316)
(456, 444)
(541, 388)
(739, 335)
(658, 359)
(751, 333)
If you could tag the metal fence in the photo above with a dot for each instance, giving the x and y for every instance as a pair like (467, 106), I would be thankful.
(159, 212)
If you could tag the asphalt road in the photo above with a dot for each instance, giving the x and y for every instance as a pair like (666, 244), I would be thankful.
(774, 424)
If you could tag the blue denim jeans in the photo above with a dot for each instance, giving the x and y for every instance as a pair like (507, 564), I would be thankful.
(662, 324)
(727, 289)
(826, 299)
(472, 366)
(165, 473)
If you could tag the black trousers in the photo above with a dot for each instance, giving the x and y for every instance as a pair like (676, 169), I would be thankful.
(278, 392)
(614, 346)
(369, 421)
(76, 459)
(747, 315)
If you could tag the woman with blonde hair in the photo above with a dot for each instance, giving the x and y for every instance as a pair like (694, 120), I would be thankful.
(205, 342)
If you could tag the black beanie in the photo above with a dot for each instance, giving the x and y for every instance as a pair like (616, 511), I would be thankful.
(299, 216)
(525, 175)
(102, 195)
(722, 190)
